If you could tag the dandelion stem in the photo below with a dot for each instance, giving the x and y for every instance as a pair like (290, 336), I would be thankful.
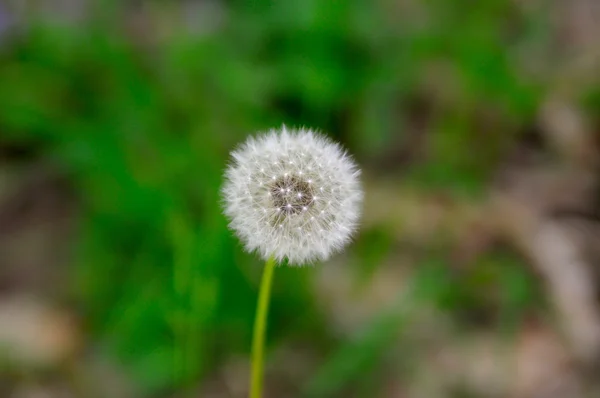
(260, 326)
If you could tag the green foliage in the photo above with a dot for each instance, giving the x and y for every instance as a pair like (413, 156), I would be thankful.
(160, 275)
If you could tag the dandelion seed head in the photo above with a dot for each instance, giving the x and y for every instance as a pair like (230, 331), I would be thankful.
(283, 170)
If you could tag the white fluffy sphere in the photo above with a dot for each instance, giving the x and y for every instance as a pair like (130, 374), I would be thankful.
(292, 194)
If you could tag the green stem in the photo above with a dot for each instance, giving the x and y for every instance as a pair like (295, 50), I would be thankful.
(260, 326)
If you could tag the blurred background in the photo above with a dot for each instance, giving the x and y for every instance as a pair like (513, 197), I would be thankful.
(474, 273)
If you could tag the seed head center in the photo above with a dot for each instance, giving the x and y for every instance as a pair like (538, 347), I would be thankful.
(291, 194)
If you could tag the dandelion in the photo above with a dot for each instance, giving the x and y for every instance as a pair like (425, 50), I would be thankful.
(292, 194)
(289, 195)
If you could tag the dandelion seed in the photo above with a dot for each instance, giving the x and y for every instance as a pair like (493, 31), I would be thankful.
(299, 161)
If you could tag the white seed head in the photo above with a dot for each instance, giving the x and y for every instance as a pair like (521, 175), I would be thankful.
(304, 197)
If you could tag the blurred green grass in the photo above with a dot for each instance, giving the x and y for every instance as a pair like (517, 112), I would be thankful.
(143, 127)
